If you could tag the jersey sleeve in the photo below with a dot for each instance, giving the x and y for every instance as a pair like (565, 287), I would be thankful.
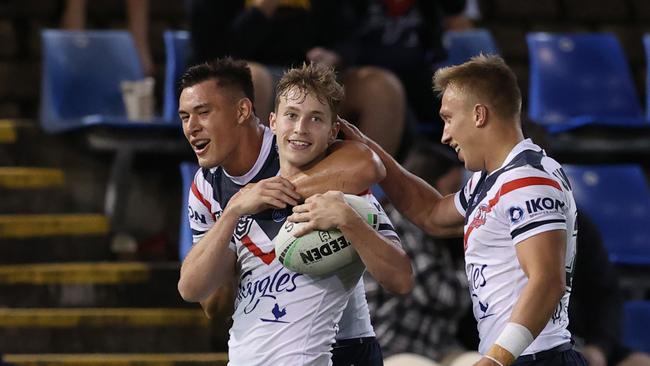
(533, 205)
(386, 227)
(203, 211)
(461, 197)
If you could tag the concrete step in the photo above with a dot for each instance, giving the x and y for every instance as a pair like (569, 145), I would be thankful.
(19, 178)
(105, 330)
(22, 142)
(91, 248)
(33, 226)
(171, 359)
(32, 190)
(104, 284)
(48, 200)
(7, 131)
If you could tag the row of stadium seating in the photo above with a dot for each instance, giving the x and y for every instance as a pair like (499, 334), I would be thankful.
(575, 79)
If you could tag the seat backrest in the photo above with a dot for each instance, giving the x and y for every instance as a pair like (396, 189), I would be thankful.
(646, 45)
(579, 74)
(188, 169)
(177, 52)
(636, 319)
(616, 198)
(463, 45)
(81, 76)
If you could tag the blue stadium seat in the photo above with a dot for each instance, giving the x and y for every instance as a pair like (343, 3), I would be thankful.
(177, 51)
(616, 197)
(463, 45)
(580, 79)
(185, 233)
(81, 75)
(636, 319)
(646, 44)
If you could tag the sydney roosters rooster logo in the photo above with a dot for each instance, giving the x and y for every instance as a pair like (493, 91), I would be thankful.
(480, 216)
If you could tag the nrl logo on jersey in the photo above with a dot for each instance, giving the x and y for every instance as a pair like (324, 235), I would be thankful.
(243, 227)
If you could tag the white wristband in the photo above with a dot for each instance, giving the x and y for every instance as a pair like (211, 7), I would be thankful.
(493, 360)
(515, 338)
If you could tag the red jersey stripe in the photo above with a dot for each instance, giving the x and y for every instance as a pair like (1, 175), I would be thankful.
(507, 188)
(267, 258)
(521, 183)
(199, 196)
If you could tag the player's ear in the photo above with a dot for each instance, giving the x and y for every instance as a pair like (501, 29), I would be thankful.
(334, 131)
(272, 121)
(480, 114)
(244, 110)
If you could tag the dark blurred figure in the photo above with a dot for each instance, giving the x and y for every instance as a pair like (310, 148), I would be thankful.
(596, 307)
(276, 34)
(425, 321)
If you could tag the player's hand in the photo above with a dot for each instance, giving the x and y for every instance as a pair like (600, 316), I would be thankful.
(321, 212)
(275, 192)
(351, 131)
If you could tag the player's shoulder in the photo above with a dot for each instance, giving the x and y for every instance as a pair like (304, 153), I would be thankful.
(204, 181)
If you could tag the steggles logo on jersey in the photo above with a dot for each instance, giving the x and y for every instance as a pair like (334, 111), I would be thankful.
(266, 287)
(277, 314)
(478, 280)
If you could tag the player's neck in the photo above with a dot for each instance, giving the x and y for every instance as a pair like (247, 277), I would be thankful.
(508, 139)
(248, 150)
(289, 170)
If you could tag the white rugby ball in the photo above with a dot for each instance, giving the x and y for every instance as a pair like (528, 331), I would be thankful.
(320, 253)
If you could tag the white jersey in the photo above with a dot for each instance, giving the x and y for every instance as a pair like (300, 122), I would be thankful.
(355, 321)
(281, 317)
(528, 195)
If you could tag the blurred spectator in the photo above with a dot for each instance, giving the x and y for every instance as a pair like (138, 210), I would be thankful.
(276, 34)
(405, 36)
(596, 320)
(74, 18)
(425, 321)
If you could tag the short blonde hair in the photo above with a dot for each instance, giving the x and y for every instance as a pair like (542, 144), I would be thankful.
(485, 78)
(315, 78)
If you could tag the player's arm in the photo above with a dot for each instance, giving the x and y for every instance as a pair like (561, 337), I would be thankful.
(220, 303)
(211, 263)
(542, 258)
(412, 196)
(385, 260)
(349, 167)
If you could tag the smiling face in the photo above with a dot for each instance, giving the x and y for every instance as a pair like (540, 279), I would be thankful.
(304, 129)
(460, 128)
(210, 122)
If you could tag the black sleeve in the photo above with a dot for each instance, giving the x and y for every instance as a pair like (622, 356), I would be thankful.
(596, 307)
